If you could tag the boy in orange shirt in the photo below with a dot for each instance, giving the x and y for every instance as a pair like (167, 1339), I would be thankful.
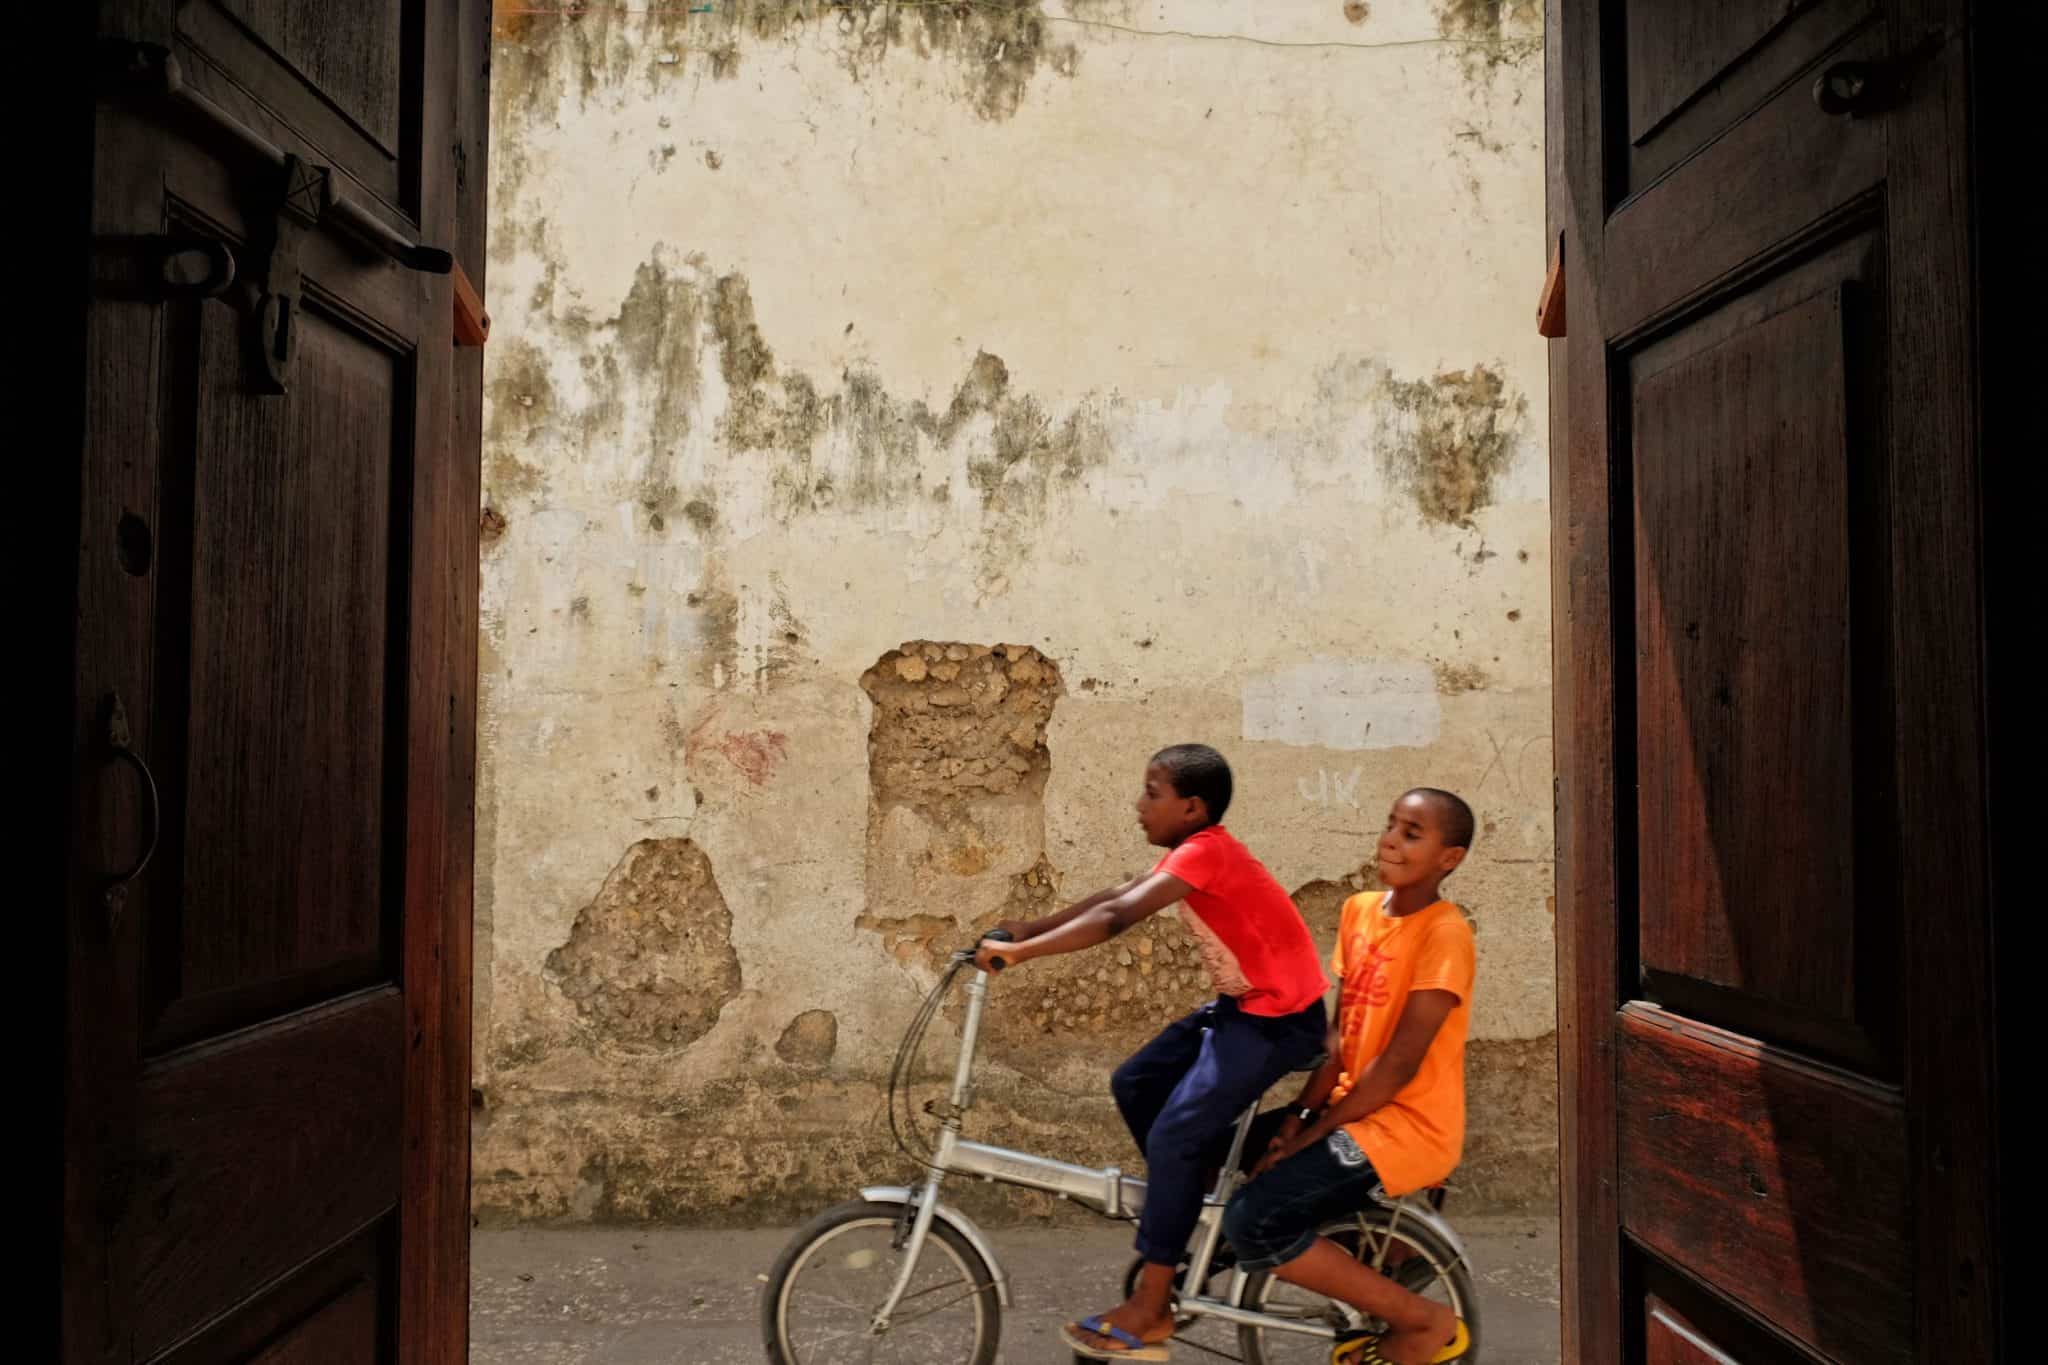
(1388, 1107)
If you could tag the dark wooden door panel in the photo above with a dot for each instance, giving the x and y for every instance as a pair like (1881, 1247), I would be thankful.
(305, 1117)
(286, 630)
(1742, 677)
(1780, 1183)
(1766, 895)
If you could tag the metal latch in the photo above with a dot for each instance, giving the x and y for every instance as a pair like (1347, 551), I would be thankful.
(306, 195)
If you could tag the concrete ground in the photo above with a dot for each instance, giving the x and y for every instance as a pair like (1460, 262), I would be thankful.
(657, 1297)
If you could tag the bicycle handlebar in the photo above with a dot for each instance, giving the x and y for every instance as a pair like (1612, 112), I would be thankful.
(996, 964)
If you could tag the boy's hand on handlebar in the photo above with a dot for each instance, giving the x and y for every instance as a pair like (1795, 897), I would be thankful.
(992, 955)
(1014, 928)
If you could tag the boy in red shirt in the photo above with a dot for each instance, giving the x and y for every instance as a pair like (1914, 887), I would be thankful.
(1188, 1085)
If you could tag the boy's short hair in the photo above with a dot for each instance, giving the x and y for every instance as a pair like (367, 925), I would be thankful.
(1198, 771)
(1460, 825)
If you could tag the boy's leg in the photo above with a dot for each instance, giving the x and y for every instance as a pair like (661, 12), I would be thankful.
(1146, 1080)
(1239, 1057)
(1272, 1226)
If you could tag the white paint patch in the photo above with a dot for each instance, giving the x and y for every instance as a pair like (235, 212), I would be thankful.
(1344, 704)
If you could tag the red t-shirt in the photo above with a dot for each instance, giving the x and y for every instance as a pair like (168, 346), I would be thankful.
(1253, 939)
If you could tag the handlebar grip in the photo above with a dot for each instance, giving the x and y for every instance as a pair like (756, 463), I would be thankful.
(996, 964)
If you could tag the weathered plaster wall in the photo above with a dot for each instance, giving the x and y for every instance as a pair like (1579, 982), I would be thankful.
(902, 420)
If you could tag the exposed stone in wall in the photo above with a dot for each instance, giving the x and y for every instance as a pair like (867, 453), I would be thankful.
(806, 1142)
(956, 724)
(1445, 440)
(957, 764)
(649, 963)
(810, 1040)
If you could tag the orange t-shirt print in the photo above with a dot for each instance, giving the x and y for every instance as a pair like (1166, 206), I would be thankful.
(1415, 1139)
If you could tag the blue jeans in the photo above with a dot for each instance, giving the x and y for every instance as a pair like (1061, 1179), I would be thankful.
(1274, 1219)
(1182, 1091)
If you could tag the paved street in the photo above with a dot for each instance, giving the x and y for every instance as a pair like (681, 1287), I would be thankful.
(648, 1297)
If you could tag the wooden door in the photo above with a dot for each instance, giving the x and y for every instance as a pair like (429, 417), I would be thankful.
(267, 949)
(1773, 911)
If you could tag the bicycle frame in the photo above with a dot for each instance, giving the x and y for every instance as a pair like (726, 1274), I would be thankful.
(1107, 1190)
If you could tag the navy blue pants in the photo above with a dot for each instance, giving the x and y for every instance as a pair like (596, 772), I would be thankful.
(1181, 1092)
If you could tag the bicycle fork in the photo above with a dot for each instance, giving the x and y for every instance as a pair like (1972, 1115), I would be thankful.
(949, 1132)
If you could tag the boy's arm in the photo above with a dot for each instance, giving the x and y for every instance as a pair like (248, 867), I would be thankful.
(1097, 923)
(1383, 1079)
(1021, 929)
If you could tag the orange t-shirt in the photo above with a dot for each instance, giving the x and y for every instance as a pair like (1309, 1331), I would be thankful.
(1415, 1139)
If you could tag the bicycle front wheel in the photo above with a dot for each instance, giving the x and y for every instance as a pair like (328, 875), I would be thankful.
(820, 1300)
(1400, 1248)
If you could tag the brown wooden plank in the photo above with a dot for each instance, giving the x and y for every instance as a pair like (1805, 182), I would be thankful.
(1550, 305)
(472, 323)
(1758, 190)
(1583, 670)
(433, 1306)
(1744, 719)
(1781, 1183)
(1936, 541)
(302, 1115)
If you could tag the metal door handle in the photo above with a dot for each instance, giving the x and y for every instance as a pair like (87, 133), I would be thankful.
(115, 896)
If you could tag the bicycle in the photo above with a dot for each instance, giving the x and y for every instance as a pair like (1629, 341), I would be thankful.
(854, 1284)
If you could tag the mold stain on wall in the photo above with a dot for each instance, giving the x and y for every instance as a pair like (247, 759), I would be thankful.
(1447, 439)
(993, 49)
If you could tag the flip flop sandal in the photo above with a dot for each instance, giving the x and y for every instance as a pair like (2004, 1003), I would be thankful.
(1128, 1347)
(1363, 1348)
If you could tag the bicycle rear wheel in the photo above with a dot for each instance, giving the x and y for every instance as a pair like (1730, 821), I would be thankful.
(1403, 1249)
(826, 1285)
